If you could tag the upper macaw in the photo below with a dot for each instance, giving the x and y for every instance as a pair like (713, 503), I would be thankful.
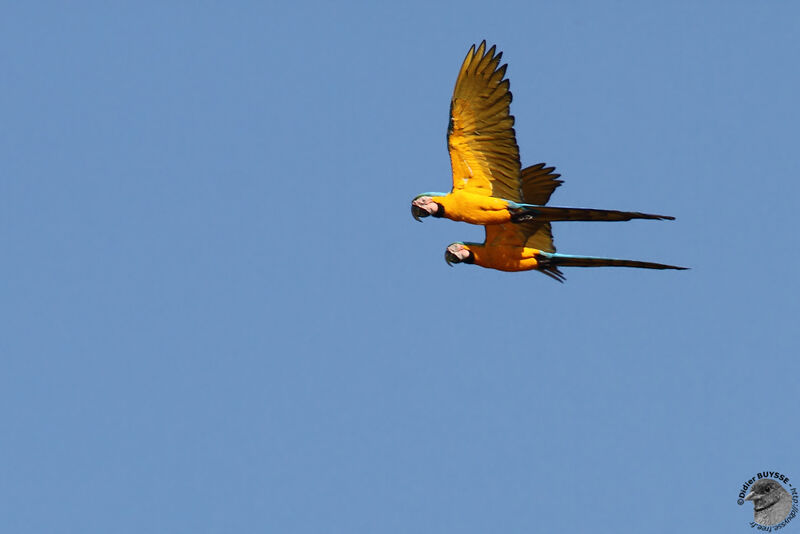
(485, 157)
(529, 245)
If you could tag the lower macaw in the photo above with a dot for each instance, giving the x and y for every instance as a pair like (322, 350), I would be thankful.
(520, 258)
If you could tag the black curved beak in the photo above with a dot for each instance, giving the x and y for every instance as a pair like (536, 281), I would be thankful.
(418, 212)
(450, 258)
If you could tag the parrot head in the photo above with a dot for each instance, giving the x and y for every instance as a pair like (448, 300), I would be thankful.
(458, 253)
(423, 206)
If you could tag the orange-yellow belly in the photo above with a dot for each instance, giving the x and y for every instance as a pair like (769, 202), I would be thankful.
(505, 258)
(474, 209)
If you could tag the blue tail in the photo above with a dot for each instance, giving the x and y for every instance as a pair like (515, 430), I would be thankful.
(550, 262)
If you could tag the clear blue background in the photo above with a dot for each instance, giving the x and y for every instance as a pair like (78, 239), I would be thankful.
(219, 316)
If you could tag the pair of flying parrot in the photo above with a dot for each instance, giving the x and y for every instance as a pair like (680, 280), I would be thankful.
(491, 189)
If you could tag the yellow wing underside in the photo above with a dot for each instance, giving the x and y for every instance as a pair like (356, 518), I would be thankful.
(530, 234)
(483, 147)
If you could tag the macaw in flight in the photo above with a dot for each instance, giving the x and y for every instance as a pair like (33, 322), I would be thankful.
(485, 157)
(528, 246)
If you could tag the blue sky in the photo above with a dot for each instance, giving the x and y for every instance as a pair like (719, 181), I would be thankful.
(219, 316)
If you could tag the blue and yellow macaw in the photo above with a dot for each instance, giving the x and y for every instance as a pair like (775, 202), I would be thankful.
(487, 175)
(515, 249)
(528, 246)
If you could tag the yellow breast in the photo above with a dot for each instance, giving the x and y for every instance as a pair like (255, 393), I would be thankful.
(474, 209)
(505, 258)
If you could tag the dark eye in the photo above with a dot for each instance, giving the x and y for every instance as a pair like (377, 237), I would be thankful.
(767, 489)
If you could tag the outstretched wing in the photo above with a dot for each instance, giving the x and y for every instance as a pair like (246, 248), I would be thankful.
(539, 236)
(536, 235)
(538, 183)
(483, 148)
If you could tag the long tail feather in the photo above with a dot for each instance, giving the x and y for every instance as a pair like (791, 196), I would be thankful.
(527, 212)
(566, 260)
